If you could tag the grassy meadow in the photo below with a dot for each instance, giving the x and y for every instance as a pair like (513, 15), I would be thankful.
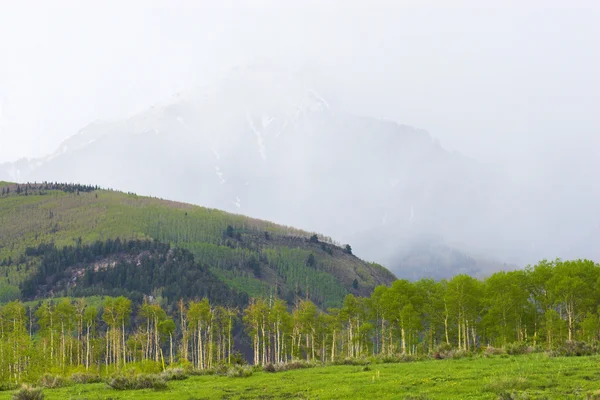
(534, 376)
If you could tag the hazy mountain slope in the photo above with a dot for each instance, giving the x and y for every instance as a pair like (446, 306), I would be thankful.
(250, 255)
(265, 142)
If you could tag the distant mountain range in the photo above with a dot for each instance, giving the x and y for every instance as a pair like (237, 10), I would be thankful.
(268, 143)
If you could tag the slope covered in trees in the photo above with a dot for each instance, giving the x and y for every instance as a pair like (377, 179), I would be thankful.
(252, 257)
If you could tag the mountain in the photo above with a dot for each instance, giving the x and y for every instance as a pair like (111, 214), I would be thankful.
(59, 239)
(271, 143)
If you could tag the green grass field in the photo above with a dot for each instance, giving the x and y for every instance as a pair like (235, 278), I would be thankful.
(534, 376)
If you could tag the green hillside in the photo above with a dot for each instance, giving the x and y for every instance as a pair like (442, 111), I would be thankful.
(250, 256)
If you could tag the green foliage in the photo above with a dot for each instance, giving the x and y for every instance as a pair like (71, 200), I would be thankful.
(174, 374)
(51, 381)
(85, 378)
(574, 349)
(518, 348)
(8, 292)
(240, 371)
(138, 382)
(29, 393)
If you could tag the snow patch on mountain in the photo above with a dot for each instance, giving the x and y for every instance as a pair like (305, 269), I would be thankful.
(285, 124)
(266, 121)
(260, 141)
(182, 123)
(320, 99)
(219, 174)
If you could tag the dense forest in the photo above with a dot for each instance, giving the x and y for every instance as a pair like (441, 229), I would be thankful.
(135, 269)
(551, 306)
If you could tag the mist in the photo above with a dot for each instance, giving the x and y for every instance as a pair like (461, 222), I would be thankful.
(510, 89)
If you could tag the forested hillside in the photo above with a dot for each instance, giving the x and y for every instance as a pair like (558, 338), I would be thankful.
(51, 234)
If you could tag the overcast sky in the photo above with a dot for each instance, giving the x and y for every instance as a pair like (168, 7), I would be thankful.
(490, 79)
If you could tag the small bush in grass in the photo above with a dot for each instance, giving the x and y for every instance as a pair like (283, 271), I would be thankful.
(270, 368)
(142, 381)
(352, 361)
(501, 385)
(393, 359)
(444, 351)
(240, 371)
(150, 382)
(174, 374)
(84, 378)
(293, 365)
(443, 354)
(52, 381)
(517, 349)
(493, 351)
(121, 382)
(221, 369)
(574, 349)
(29, 393)
(201, 372)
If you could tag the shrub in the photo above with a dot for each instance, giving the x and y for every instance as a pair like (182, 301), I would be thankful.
(203, 372)
(84, 378)
(294, 365)
(142, 381)
(29, 393)
(287, 366)
(150, 382)
(121, 382)
(52, 381)
(493, 351)
(574, 349)
(517, 348)
(221, 369)
(238, 371)
(442, 353)
(352, 361)
(270, 368)
(174, 374)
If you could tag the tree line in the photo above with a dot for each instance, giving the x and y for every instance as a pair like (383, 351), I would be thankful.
(543, 307)
(26, 189)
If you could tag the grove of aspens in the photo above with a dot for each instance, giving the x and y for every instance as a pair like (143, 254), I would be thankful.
(541, 308)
